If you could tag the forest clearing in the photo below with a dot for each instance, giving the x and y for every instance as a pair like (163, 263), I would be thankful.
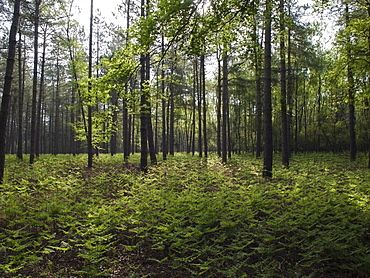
(186, 217)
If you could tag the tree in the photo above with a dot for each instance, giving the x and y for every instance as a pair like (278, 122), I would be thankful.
(35, 80)
(21, 77)
(5, 101)
(283, 89)
(351, 90)
(225, 103)
(267, 109)
(89, 105)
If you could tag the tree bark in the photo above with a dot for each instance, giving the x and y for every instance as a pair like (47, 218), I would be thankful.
(267, 109)
(164, 105)
(351, 94)
(152, 153)
(40, 100)
(283, 93)
(20, 98)
(89, 105)
(5, 102)
(34, 82)
(171, 118)
(219, 102)
(203, 95)
(258, 96)
(143, 118)
(225, 97)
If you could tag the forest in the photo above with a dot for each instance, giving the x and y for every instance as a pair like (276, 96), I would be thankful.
(185, 138)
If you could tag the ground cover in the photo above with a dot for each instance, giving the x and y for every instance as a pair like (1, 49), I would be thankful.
(187, 217)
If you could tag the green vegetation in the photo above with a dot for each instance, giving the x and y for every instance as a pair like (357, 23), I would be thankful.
(187, 217)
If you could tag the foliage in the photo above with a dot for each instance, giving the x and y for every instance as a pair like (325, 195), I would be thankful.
(187, 217)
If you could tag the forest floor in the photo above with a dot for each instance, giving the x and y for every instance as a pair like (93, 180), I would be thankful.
(186, 217)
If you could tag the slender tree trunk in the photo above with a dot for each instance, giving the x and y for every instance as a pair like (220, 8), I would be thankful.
(351, 93)
(152, 154)
(289, 94)
(199, 100)
(203, 95)
(164, 105)
(27, 130)
(283, 93)
(113, 139)
(57, 124)
(72, 118)
(225, 96)
(319, 123)
(20, 99)
(258, 104)
(143, 118)
(219, 101)
(34, 83)
(268, 144)
(132, 123)
(194, 109)
(40, 100)
(5, 102)
(171, 117)
(89, 105)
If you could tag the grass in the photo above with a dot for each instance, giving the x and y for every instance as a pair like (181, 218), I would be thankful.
(187, 217)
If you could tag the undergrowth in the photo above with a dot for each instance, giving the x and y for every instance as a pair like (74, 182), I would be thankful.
(187, 217)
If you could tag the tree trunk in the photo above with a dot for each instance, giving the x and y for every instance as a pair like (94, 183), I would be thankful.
(283, 93)
(34, 82)
(89, 105)
(203, 96)
(199, 100)
(40, 100)
(219, 101)
(143, 117)
(113, 139)
(289, 94)
(152, 154)
(164, 105)
(351, 94)
(5, 102)
(267, 109)
(225, 97)
(72, 142)
(258, 98)
(20, 98)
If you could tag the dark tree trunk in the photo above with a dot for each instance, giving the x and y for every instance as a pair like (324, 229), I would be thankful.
(152, 153)
(219, 102)
(318, 119)
(143, 118)
(258, 95)
(20, 98)
(268, 144)
(164, 105)
(351, 95)
(89, 105)
(194, 96)
(40, 100)
(72, 132)
(199, 100)
(172, 119)
(203, 96)
(225, 97)
(34, 83)
(289, 94)
(113, 139)
(283, 93)
(5, 102)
